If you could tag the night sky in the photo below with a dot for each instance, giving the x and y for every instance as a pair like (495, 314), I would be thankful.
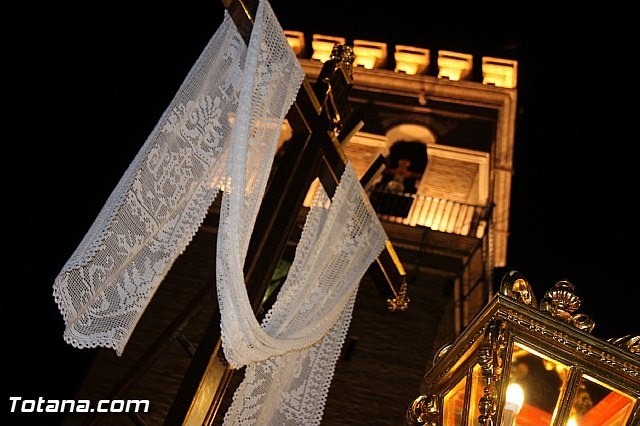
(84, 83)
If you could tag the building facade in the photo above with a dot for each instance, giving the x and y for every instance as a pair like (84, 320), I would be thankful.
(449, 119)
(445, 124)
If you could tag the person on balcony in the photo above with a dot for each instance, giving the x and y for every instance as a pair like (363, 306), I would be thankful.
(401, 178)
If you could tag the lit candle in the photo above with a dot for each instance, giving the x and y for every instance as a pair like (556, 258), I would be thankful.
(515, 399)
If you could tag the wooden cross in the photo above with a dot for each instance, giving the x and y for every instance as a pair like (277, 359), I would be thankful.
(321, 119)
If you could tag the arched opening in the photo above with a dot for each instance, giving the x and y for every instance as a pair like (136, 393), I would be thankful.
(405, 165)
(406, 155)
(409, 132)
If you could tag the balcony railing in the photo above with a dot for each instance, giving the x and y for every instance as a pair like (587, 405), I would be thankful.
(435, 213)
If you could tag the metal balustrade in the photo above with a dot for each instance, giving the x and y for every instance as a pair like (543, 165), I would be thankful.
(436, 213)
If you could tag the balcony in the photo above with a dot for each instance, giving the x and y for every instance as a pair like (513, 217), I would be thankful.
(435, 213)
(445, 238)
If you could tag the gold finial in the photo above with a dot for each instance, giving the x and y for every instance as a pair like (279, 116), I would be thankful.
(401, 301)
(343, 55)
(561, 302)
(424, 410)
(515, 285)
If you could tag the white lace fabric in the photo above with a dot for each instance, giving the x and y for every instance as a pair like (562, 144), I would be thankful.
(163, 197)
(220, 132)
(291, 358)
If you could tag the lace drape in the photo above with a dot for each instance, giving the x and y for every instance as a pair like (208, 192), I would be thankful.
(220, 132)
(291, 358)
(161, 200)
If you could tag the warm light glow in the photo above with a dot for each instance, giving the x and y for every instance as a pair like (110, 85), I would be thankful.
(572, 422)
(513, 404)
(311, 193)
(499, 72)
(296, 41)
(453, 65)
(369, 54)
(323, 46)
(411, 60)
(515, 397)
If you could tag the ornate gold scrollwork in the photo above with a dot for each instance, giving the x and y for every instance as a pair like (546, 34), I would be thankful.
(628, 342)
(343, 55)
(516, 286)
(424, 410)
(561, 302)
(491, 361)
(401, 301)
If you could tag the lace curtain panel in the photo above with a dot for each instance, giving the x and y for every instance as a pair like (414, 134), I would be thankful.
(220, 132)
(308, 322)
(163, 197)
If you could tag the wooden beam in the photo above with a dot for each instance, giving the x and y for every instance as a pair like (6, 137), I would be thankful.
(314, 151)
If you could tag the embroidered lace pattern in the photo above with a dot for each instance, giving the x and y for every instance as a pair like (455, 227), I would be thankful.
(220, 133)
(291, 358)
(162, 198)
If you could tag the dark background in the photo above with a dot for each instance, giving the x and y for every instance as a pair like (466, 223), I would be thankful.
(84, 83)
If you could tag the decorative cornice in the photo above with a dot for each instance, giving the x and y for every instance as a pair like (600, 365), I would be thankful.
(570, 343)
(455, 358)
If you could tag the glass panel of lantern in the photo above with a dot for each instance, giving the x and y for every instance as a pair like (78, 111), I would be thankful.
(536, 384)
